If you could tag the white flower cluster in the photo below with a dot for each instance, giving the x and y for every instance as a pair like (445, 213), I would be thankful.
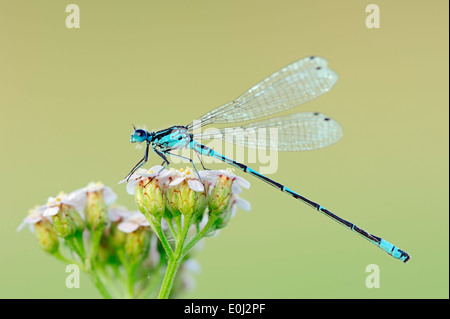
(76, 199)
(168, 178)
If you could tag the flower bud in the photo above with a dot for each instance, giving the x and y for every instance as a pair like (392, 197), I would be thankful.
(220, 196)
(64, 223)
(76, 218)
(186, 195)
(150, 198)
(137, 244)
(95, 211)
(46, 236)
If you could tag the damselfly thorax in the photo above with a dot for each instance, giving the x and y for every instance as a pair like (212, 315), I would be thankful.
(172, 138)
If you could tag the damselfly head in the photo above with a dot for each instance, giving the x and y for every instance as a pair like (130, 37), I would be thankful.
(139, 136)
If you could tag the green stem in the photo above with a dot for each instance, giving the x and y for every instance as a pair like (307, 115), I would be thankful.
(169, 277)
(158, 230)
(95, 243)
(178, 224)
(74, 245)
(59, 256)
(130, 281)
(89, 263)
(155, 224)
(199, 235)
(98, 283)
(174, 261)
(114, 278)
(172, 229)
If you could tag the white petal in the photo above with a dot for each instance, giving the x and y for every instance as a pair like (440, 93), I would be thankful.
(165, 174)
(151, 172)
(51, 199)
(227, 172)
(30, 227)
(144, 222)
(33, 218)
(77, 199)
(209, 174)
(41, 209)
(117, 212)
(127, 227)
(147, 175)
(51, 211)
(138, 218)
(196, 185)
(21, 226)
(94, 187)
(177, 181)
(243, 204)
(131, 186)
(243, 182)
(132, 177)
(155, 169)
(204, 221)
(236, 189)
(233, 210)
(109, 196)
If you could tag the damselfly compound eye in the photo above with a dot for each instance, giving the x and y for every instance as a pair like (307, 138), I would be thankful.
(139, 136)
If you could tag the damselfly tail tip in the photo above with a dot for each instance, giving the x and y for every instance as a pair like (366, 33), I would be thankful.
(406, 257)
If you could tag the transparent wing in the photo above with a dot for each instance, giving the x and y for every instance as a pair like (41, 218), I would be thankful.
(295, 84)
(296, 132)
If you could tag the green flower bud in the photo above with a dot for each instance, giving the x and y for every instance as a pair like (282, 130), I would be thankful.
(220, 197)
(64, 223)
(46, 236)
(76, 218)
(137, 244)
(150, 198)
(185, 198)
(95, 211)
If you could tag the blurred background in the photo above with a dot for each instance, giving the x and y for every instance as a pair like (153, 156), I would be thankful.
(68, 98)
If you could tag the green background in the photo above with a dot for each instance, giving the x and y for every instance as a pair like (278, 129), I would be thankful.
(68, 98)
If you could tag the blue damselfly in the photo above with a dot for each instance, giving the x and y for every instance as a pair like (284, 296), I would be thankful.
(295, 84)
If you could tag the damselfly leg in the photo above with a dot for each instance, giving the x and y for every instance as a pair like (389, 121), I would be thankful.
(165, 160)
(190, 160)
(201, 162)
(140, 163)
